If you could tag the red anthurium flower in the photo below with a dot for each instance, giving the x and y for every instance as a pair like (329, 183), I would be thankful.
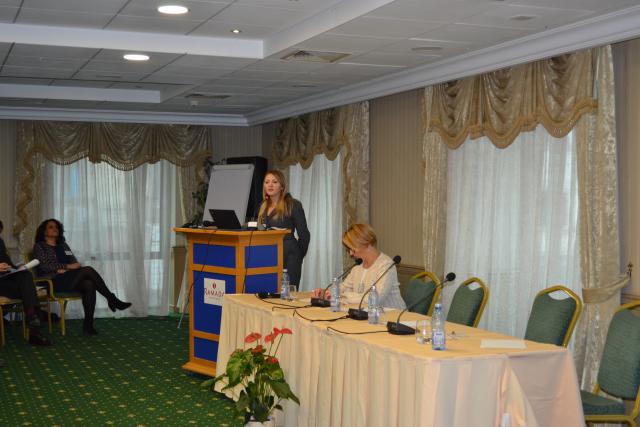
(270, 337)
(286, 331)
(276, 331)
(252, 337)
(258, 349)
(272, 360)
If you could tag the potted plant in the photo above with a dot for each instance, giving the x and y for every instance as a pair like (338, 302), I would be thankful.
(257, 373)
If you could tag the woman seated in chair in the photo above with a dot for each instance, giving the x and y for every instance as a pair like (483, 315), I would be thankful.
(58, 262)
(20, 285)
(361, 241)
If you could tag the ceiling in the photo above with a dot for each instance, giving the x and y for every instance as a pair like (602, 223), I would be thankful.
(63, 59)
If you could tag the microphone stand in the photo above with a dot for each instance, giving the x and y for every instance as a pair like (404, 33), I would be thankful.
(397, 328)
(359, 313)
(322, 301)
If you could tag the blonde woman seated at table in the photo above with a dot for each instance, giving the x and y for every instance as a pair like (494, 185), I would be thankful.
(361, 241)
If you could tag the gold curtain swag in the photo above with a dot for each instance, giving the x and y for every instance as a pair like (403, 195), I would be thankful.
(299, 139)
(122, 145)
(553, 92)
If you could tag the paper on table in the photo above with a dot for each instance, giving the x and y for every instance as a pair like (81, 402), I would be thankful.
(486, 343)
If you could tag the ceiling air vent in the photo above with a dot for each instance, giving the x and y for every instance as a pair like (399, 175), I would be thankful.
(314, 56)
(203, 96)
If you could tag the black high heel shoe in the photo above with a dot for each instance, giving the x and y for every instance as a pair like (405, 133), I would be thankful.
(116, 304)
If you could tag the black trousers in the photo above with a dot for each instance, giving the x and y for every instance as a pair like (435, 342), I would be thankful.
(292, 261)
(86, 281)
(20, 285)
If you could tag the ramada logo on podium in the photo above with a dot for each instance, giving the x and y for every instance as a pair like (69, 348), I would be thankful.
(213, 291)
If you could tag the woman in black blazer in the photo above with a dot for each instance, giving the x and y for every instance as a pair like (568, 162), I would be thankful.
(280, 209)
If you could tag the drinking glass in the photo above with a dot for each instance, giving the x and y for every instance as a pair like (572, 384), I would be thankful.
(423, 331)
(293, 293)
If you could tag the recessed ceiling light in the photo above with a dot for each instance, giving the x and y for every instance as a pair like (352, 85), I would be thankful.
(426, 48)
(522, 17)
(136, 57)
(236, 31)
(173, 9)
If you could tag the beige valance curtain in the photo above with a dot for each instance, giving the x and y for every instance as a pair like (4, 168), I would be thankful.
(573, 91)
(122, 145)
(553, 92)
(346, 128)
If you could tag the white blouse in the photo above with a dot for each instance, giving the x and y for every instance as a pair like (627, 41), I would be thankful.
(360, 280)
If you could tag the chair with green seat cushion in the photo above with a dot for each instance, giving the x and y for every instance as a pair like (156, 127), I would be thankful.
(619, 372)
(552, 320)
(421, 292)
(468, 302)
(62, 298)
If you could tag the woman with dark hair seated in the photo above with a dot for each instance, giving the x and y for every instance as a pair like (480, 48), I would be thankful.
(58, 262)
(20, 285)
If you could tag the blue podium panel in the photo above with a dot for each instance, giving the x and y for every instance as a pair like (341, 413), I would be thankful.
(214, 255)
(261, 256)
(206, 314)
(261, 283)
(205, 349)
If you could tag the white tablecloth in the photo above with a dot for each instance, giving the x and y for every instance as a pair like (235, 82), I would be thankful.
(385, 380)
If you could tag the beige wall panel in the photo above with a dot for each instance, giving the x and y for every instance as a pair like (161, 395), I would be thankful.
(396, 174)
(627, 68)
(233, 141)
(7, 178)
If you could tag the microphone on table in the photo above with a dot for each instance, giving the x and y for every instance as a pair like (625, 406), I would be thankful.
(359, 313)
(397, 328)
(322, 301)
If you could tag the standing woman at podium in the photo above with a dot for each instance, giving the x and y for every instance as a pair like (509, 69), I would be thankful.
(280, 210)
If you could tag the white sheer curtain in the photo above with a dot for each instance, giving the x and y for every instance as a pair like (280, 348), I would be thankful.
(118, 222)
(319, 188)
(512, 221)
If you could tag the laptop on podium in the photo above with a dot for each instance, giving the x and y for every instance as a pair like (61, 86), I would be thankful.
(225, 219)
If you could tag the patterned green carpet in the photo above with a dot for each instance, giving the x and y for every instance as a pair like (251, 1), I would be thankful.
(128, 375)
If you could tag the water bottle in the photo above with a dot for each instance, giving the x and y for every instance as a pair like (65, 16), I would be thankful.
(284, 285)
(438, 335)
(336, 304)
(373, 302)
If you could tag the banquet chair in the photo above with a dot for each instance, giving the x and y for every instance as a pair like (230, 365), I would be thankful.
(619, 372)
(62, 298)
(468, 302)
(417, 289)
(11, 305)
(552, 320)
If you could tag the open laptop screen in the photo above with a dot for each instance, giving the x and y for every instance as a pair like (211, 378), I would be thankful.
(225, 219)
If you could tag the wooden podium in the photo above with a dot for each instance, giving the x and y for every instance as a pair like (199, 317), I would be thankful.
(225, 262)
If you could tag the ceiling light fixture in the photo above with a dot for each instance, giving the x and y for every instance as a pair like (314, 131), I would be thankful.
(136, 57)
(173, 9)
(236, 31)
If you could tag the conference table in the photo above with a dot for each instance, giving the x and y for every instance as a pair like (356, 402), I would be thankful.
(351, 373)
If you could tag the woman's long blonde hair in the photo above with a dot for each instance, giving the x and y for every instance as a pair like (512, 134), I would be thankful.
(285, 201)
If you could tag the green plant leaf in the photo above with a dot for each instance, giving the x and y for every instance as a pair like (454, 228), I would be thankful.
(243, 403)
(283, 391)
